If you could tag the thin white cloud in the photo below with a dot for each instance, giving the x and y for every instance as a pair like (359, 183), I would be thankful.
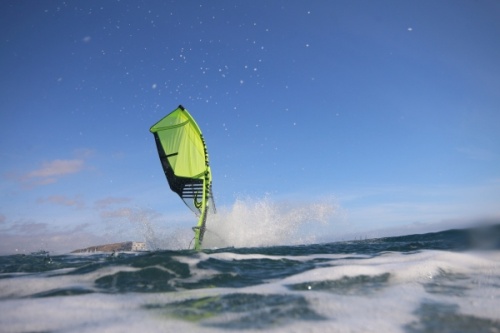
(83, 153)
(30, 236)
(63, 200)
(110, 201)
(117, 213)
(425, 207)
(52, 171)
(26, 227)
(56, 168)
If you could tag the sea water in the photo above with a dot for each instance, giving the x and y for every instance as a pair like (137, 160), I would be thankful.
(440, 282)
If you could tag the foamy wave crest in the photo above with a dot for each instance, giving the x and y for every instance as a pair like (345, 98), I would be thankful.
(263, 222)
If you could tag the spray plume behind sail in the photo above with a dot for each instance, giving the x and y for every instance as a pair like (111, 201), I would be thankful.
(184, 158)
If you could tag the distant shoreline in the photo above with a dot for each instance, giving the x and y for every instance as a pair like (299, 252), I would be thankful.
(123, 246)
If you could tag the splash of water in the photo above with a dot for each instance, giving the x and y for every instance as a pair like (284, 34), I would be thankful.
(155, 237)
(248, 222)
(263, 222)
(140, 219)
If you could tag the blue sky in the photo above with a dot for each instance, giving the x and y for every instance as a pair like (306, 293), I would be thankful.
(389, 108)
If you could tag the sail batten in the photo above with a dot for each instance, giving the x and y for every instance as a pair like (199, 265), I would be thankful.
(184, 158)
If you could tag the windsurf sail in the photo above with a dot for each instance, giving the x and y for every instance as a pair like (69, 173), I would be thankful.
(184, 158)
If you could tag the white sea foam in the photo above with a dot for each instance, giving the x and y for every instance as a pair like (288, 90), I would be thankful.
(473, 278)
(22, 286)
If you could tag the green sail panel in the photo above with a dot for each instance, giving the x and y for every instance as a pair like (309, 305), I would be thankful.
(184, 158)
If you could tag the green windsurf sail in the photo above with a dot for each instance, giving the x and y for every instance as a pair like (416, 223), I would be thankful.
(184, 158)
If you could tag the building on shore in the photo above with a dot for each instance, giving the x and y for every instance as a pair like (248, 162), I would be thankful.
(114, 247)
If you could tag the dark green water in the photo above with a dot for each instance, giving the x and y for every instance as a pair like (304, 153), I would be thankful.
(440, 282)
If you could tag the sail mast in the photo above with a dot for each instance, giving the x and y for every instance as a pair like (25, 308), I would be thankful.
(207, 187)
